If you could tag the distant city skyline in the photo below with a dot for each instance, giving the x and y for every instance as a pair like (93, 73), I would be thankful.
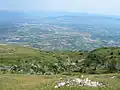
(109, 7)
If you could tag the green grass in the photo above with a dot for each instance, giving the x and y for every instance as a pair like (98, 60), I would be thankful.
(11, 54)
(34, 82)
(26, 58)
(14, 54)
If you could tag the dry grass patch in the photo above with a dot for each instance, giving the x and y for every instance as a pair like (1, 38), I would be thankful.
(34, 82)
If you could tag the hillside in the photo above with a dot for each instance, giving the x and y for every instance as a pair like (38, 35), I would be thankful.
(18, 59)
(14, 55)
(104, 60)
(28, 60)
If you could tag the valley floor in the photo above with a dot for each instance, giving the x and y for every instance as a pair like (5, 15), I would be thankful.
(36, 82)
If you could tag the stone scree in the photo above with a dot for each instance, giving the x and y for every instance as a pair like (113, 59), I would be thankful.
(79, 82)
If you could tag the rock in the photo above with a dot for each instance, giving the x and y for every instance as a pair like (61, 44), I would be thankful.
(79, 82)
(113, 77)
(56, 86)
(82, 76)
(60, 84)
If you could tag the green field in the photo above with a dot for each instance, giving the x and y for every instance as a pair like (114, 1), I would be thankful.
(34, 82)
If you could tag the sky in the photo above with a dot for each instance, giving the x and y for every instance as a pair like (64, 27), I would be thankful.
(84, 6)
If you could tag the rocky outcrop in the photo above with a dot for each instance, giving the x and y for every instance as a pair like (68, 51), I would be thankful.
(78, 82)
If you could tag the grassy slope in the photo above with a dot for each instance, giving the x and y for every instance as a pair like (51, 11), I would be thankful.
(15, 54)
(27, 82)
(104, 60)
(107, 52)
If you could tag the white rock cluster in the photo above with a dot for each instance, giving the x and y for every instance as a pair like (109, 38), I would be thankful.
(79, 82)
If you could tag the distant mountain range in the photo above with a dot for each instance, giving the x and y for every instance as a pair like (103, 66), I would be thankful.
(19, 16)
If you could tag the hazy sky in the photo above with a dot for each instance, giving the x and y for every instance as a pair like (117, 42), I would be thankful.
(88, 6)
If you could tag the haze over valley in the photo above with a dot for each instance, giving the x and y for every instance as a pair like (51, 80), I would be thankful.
(59, 31)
